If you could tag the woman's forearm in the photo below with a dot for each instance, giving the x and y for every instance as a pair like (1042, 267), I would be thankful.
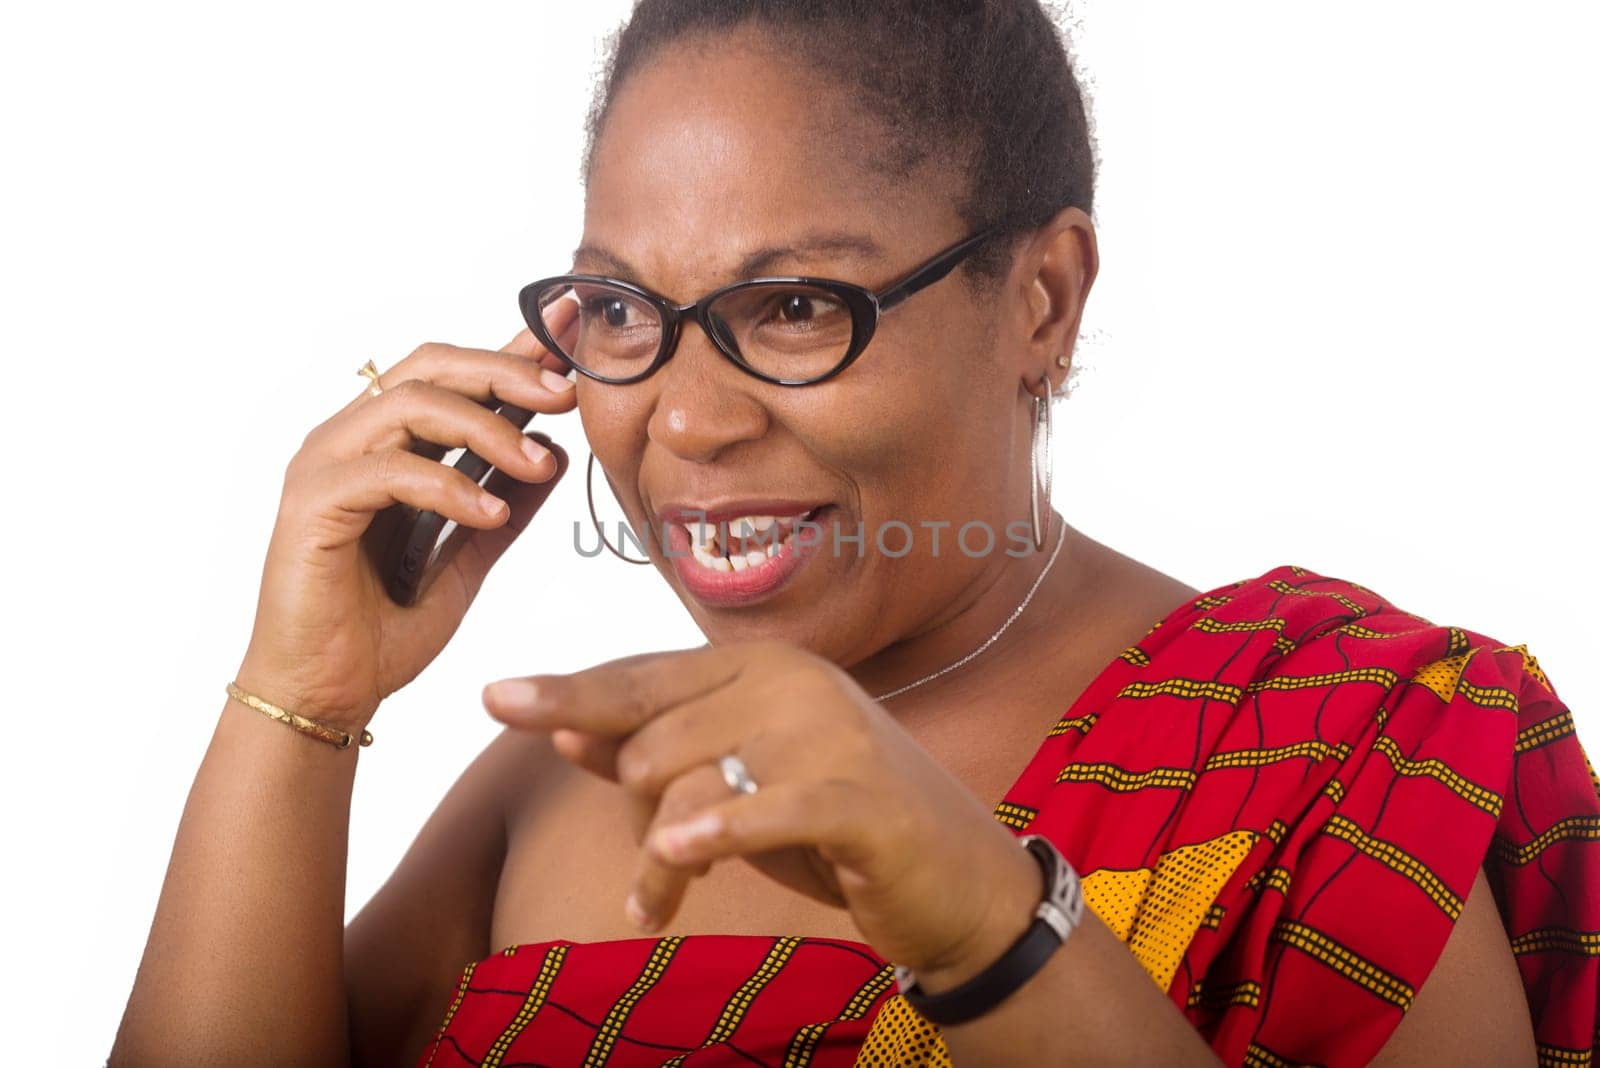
(244, 963)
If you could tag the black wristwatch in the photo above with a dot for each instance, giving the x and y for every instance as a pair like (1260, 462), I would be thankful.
(1056, 917)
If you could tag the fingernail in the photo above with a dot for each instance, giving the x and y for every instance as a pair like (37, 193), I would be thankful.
(534, 450)
(557, 382)
(491, 504)
(667, 842)
(673, 839)
(636, 913)
(511, 693)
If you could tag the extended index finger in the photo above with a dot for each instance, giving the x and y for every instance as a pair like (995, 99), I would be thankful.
(620, 696)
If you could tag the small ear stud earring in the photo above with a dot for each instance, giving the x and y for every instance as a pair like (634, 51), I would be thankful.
(1063, 359)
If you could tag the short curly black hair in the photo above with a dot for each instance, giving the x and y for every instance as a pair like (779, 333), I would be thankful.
(987, 85)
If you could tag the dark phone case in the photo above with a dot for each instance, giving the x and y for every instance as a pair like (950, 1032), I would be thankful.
(408, 535)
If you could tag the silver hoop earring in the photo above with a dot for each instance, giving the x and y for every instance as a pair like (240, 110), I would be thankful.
(1041, 414)
(594, 518)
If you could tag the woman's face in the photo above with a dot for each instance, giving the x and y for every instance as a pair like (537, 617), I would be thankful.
(708, 156)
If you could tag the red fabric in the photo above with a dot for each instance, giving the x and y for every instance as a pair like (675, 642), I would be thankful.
(603, 1006)
(1365, 762)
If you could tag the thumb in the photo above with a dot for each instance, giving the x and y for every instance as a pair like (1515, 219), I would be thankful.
(471, 552)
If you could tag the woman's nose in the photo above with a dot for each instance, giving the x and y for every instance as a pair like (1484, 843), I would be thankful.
(704, 403)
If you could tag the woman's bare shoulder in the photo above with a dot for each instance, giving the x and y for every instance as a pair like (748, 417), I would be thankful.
(518, 762)
(406, 946)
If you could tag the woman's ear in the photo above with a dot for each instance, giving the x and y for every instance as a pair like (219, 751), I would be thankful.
(1058, 268)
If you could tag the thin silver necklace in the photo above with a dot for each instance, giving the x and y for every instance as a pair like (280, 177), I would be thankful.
(1060, 538)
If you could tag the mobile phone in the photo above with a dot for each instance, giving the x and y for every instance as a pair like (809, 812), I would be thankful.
(411, 541)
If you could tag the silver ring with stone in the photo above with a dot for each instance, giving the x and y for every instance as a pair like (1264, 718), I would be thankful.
(736, 775)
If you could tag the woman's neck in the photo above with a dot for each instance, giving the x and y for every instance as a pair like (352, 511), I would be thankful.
(969, 624)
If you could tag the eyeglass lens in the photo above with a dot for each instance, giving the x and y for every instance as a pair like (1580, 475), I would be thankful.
(783, 330)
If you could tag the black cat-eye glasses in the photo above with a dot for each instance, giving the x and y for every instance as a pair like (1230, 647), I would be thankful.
(791, 331)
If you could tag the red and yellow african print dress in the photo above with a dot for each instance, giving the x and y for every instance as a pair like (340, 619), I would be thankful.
(1279, 799)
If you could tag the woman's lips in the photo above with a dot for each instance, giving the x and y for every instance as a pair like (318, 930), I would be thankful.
(764, 567)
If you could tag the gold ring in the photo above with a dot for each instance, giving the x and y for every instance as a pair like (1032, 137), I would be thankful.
(369, 371)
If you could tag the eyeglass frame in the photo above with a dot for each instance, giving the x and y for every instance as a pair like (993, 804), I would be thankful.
(865, 305)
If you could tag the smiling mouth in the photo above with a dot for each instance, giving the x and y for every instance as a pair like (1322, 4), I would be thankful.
(744, 543)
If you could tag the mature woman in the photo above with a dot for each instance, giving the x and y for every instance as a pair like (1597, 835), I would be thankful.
(932, 720)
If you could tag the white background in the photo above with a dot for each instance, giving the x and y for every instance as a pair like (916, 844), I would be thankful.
(1345, 319)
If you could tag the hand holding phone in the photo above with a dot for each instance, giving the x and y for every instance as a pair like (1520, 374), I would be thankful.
(416, 544)
(350, 608)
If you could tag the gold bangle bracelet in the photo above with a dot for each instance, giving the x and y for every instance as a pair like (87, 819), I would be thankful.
(332, 735)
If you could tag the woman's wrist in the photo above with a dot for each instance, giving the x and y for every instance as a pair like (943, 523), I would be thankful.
(1019, 887)
(340, 711)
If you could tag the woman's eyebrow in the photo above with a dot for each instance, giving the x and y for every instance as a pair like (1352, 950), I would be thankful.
(834, 242)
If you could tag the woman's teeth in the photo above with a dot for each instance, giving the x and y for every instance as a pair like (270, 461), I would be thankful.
(751, 542)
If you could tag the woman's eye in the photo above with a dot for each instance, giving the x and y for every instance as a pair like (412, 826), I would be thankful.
(797, 308)
(610, 309)
(804, 308)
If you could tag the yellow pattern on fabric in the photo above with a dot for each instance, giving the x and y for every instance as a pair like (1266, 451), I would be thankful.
(611, 1027)
(1280, 586)
(1207, 625)
(1441, 676)
(530, 1007)
(1255, 758)
(804, 1043)
(1558, 940)
(1245, 992)
(1530, 663)
(1262, 1057)
(868, 994)
(902, 1037)
(1488, 696)
(1438, 770)
(1185, 884)
(1573, 827)
(1550, 730)
(1556, 1057)
(1398, 861)
(1018, 816)
(1356, 630)
(1274, 878)
(1157, 911)
(1382, 676)
(1115, 897)
(1076, 723)
(450, 1014)
(733, 1012)
(1346, 962)
(1123, 781)
(1216, 691)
